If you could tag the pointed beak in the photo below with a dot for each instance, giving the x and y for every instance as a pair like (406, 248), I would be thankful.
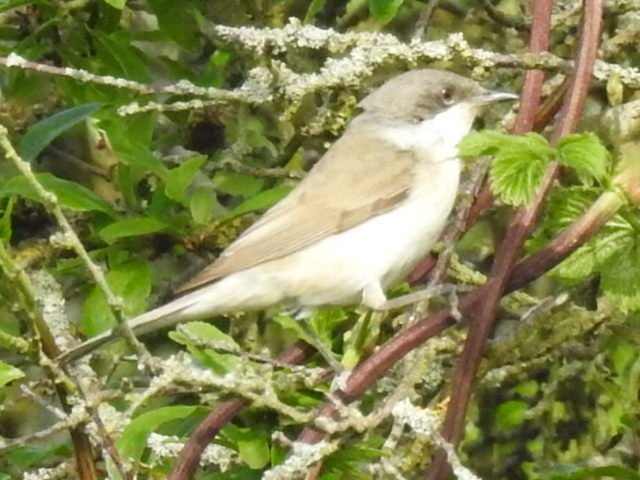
(490, 97)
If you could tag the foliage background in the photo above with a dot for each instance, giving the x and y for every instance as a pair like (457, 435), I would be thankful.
(156, 194)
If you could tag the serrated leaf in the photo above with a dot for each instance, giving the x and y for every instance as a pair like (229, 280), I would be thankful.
(71, 195)
(485, 142)
(620, 278)
(178, 179)
(515, 176)
(519, 162)
(563, 208)
(132, 227)
(585, 153)
(41, 134)
(9, 373)
(384, 10)
(589, 258)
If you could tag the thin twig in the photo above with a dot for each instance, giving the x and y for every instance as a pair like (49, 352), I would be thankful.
(502, 18)
(50, 201)
(189, 457)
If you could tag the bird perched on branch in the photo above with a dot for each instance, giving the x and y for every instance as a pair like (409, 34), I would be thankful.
(366, 213)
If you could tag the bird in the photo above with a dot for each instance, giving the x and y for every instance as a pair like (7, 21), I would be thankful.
(360, 220)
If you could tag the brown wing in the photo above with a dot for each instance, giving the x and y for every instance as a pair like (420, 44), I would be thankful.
(344, 189)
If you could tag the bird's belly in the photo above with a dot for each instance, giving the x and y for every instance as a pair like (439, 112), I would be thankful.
(382, 249)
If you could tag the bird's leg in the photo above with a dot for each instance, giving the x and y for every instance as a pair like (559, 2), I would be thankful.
(373, 296)
(420, 295)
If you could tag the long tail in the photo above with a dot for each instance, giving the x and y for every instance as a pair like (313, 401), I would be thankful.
(186, 308)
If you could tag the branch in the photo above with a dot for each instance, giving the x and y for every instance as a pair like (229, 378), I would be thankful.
(189, 458)
(51, 203)
(484, 316)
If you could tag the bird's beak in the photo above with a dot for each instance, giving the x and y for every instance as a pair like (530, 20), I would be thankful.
(490, 97)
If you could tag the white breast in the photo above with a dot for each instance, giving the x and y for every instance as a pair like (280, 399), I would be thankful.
(382, 249)
(387, 246)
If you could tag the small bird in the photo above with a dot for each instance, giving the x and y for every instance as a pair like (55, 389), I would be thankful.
(362, 218)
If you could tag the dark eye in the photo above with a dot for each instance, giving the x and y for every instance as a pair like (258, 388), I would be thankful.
(447, 95)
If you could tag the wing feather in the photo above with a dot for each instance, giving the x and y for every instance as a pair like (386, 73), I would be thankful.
(344, 189)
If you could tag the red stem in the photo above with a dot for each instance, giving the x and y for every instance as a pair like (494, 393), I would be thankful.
(523, 222)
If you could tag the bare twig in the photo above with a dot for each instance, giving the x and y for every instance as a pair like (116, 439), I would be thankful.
(502, 18)
(423, 21)
(50, 201)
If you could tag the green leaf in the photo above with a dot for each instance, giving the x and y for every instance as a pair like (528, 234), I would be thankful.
(10, 5)
(177, 21)
(202, 203)
(132, 227)
(384, 10)
(119, 57)
(590, 258)
(564, 207)
(585, 153)
(519, 164)
(220, 363)
(134, 438)
(41, 134)
(119, 4)
(511, 414)
(5, 222)
(131, 138)
(313, 9)
(8, 373)
(620, 278)
(70, 194)
(515, 177)
(131, 282)
(594, 473)
(485, 142)
(178, 179)
(237, 184)
(252, 444)
(96, 314)
(262, 200)
(139, 155)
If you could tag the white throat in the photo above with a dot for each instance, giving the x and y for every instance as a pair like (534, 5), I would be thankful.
(436, 137)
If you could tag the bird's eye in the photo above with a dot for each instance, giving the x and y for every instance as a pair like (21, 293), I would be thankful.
(447, 95)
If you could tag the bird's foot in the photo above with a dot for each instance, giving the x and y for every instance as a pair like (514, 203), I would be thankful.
(425, 294)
